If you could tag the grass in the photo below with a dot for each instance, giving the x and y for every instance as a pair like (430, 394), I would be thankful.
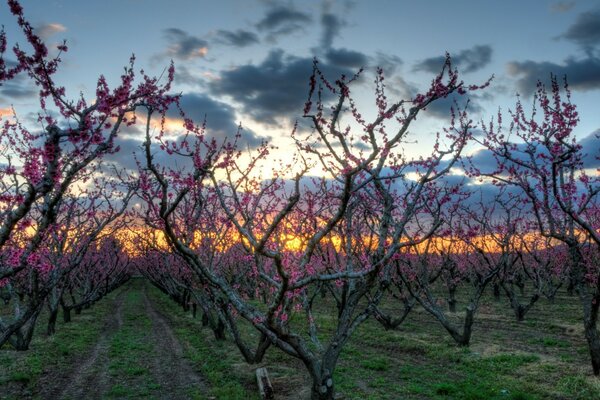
(129, 351)
(20, 372)
(213, 359)
(543, 357)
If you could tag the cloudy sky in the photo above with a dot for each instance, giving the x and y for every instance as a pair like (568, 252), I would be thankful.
(249, 60)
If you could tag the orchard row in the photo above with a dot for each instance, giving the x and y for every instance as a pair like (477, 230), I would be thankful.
(375, 225)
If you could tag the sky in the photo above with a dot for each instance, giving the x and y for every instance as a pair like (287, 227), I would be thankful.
(248, 61)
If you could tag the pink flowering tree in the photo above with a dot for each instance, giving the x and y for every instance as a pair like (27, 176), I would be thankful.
(82, 223)
(105, 267)
(171, 274)
(538, 154)
(475, 246)
(288, 230)
(38, 167)
(542, 269)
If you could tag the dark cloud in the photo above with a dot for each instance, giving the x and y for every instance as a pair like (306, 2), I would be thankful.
(18, 90)
(483, 160)
(469, 60)
(133, 131)
(591, 150)
(220, 118)
(562, 6)
(357, 144)
(184, 46)
(441, 107)
(282, 20)
(331, 25)
(238, 38)
(586, 30)
(583, 74)
(486, 162)
(388, 62)
(274, 89)
(346, 58)
(185, 76)
(132, 150)
(124, 158)
(400, 87)
(220, 124)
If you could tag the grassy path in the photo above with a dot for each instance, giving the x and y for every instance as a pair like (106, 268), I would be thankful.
(138, 344)
(131, 352)
(137, 356)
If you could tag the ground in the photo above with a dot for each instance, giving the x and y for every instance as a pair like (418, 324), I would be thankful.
(138, 344)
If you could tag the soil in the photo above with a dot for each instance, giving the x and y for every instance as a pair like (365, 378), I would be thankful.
(89, 378)
(169, 367)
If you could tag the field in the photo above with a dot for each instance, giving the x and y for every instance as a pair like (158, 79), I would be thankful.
(136, 343)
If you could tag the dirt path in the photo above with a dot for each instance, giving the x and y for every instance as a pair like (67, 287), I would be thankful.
(169, 368)
(90, 378)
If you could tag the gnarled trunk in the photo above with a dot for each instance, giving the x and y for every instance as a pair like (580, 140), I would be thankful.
(51, 329)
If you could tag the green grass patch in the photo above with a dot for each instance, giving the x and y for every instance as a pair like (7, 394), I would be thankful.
(21, 371)
(213, 359)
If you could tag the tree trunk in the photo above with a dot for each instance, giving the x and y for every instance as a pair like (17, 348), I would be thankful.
(452, 299)
(590, 320)
(322, 385)
(66, 314)
(219, 330)
(21, 338)
(590, 303)
(320, 390)
(52, 322)
(496, 291)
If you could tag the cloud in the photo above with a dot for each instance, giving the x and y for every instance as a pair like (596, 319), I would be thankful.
(6, 112)
(486, 162)
(346, 58)
(184, 46)
(132, 149)
(273, 90)
(388, 62)
(220, 118)
(17, 90)
(220, 124)
(128, 146)
(47, 30)
(469, 60)
(583, 74)
(441, 107)
(591, 150)
(238, 38)
(187, 77)
(281, 20)
(562, 6)
(585, 31)
(331, 25)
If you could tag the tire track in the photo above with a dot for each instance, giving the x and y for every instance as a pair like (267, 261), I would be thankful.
(170, 369)
(90, 378)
